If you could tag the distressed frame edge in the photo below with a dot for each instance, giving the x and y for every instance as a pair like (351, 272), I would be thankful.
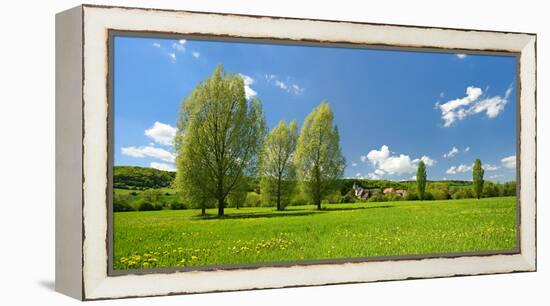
(68, 153)
(528, 261)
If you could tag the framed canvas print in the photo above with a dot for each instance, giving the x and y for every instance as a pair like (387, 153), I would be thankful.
(201, 152)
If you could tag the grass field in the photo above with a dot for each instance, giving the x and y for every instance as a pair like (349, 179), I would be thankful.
(170, 238)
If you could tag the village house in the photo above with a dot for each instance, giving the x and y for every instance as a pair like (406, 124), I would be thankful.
(364, 194)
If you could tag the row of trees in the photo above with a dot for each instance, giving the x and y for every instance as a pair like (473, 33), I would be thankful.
(222, 141)
(477, 179)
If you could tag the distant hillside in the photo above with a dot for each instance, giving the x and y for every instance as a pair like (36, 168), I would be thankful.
(131, 177)
(347, 183)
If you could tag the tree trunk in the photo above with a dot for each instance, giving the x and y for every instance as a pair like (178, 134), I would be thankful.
(203, 211)
(279, 194)
(220, 206)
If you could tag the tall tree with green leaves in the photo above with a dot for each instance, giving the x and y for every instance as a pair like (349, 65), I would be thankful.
(421, 177)
(219, 135)
(477, 176)
(277, 169)
(319, 160)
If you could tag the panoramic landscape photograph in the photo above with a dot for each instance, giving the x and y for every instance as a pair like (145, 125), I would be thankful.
(230, 153)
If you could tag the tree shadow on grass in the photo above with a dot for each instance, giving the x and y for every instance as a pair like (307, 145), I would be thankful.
(285, 213)
(354, 208)
(272, 214)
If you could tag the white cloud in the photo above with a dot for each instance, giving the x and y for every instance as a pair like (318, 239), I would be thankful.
(373, 176)
(248, 91)
(148, 151)
(491, 106)
(427, 161)
(489, 167)
(472, 104)
(509, 162)
(161, 133)
(413, 178)
(358, 174)
(281, 84)
(458, 169)
(178, 46)
(296, 89)
(467, 149)
(163, 166)
(287, 86)
(385, 163)
(354, 164)
(156, 45)
(451, 153)
(494, 176)
(172, 57)
(195, 54)
(461, 55)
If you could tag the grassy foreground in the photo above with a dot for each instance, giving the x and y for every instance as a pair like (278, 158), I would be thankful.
(172, 238)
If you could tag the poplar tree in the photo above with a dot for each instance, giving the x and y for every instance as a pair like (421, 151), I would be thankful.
(277, 169)
(319, 160)
(477, 176)
(421, 177)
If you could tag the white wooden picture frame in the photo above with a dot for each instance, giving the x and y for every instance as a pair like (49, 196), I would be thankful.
(82, 150)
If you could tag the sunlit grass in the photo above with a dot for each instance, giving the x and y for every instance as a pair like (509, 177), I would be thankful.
(171, 238)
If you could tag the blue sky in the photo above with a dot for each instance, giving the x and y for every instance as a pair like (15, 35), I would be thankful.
(392, 108)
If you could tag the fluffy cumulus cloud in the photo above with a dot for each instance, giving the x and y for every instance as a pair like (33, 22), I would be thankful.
(451, 152)
(509, 162)
(473, 103)
(163, 166)
(248, 81)
(161, 133)
(195, 54)
(467, 149)
(149, 151)
(459, 169)
(385, 163)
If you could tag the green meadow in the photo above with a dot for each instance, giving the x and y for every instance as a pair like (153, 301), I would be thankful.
(248, 235)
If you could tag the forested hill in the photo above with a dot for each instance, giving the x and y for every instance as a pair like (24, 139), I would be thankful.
(131, 177)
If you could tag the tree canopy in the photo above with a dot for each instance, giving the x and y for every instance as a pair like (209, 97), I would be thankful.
(319, 160)
(219, 134)
(277, 169)
(421, 177)
(477, 176)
